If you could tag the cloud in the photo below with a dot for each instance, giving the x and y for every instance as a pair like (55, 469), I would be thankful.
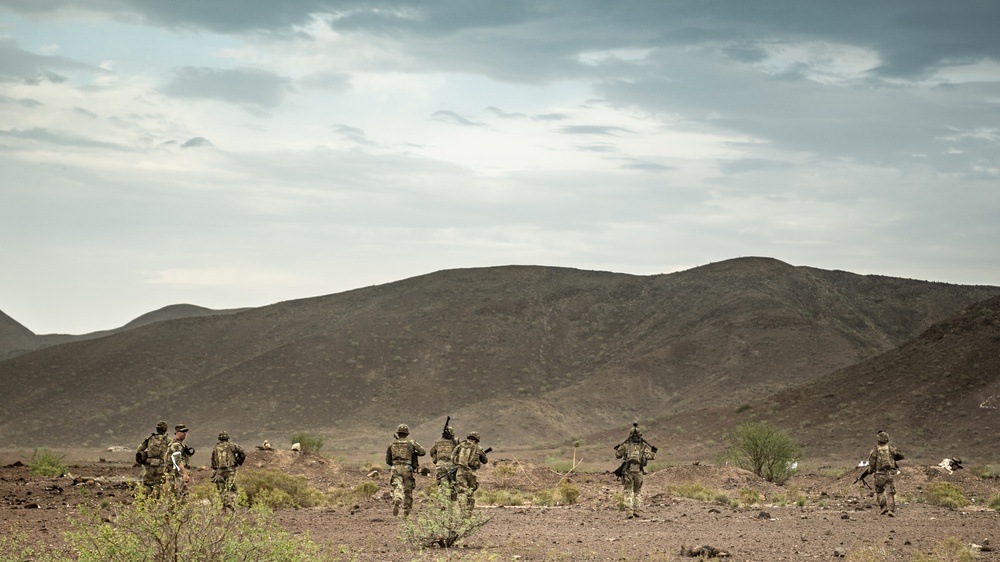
(608, 130)
(17, 65)
(242, 86)
(47, 136)
(446, 116)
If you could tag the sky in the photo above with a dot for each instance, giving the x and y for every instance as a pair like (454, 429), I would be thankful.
(238, 153)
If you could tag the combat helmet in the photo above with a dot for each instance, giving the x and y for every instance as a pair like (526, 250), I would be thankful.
(448, 432)
(224, 436)
(161, 426)
(403, 429)
(883, 438)
(474, 435)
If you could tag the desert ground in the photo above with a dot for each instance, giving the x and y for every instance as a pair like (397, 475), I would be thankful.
(819, 514)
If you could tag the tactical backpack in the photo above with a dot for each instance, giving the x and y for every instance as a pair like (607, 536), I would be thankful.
(153, 449)
(883, 459)
(468, 455)
(443, 450)
(222, 457)
(402, 451)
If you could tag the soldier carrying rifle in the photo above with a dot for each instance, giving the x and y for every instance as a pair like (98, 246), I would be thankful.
(635, 453)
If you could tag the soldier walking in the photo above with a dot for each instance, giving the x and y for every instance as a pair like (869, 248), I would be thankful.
(882, 463)
(149, 454)
(176, 463)
(635, 453)
(441, 455)
(401, 456)
(226, 456)
(468, 456)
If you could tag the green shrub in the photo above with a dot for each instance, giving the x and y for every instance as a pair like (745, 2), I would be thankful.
(276, 489)
(994, 502)
(868, 554)
(945, 494)
(46, 463)
(763, 449)
(569, 493)
(749, 496)
(504, 474)
(308, 443)
(441, 522)
(165, 529)
(950, 549)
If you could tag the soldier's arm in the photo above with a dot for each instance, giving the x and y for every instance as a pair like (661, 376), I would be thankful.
(388, 456)
(418, 449)
(620, 452)
(897, 454)
(434, 452)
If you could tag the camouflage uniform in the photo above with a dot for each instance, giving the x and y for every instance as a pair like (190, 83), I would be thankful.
(226, 456)
(402, 457)
(441, 455)
(175, 463)
(468, 457)
(635, 453)
(149, 454)
(882, 463)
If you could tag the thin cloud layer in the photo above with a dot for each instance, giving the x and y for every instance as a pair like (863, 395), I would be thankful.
(232, 154)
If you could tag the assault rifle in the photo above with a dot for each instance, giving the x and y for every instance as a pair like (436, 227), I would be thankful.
(446, 422)
(861, 477)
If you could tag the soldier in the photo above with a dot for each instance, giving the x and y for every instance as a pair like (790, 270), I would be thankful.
(441, 455)
(635, 453)
(882, 463)
(402, 457)
(149, 454)
(226, 456)
(468, 457)
(176, 463)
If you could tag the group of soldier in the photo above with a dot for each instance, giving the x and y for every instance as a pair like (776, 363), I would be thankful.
(166, 464)
(455, 466)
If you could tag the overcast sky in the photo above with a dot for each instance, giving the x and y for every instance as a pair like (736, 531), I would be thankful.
(232, 153)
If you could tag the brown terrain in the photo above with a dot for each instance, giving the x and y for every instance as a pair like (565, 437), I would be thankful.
(832, 516)
(538, 359)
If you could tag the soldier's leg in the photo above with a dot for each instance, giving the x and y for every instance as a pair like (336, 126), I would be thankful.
(408, 484)
(628, 491)
(637, 501)
(880, 481)
(890, 496)
(396, 481)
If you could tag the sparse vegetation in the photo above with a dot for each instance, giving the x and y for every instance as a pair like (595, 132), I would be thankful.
(985, 471)
(763, 449)
(309, 443)
(504, 474)
(46, 463)
(276, 489)
(994, 502)
(441, 522)
(950, 549)
(945, 494)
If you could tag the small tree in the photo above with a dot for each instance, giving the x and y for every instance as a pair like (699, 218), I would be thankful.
(763, 449)
(441, 522)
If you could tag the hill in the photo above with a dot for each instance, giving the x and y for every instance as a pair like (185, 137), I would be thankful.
(937, 395)
(527, 355)
(16, 339)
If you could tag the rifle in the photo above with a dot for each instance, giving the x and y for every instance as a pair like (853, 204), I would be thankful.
(446, 422)
(861, 477)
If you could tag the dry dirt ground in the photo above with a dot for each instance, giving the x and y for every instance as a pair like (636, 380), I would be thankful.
(837, 516)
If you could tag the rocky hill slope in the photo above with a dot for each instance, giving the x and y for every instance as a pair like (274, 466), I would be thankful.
(531, 355)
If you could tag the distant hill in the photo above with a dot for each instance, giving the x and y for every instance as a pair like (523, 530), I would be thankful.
(15, 339)
(937, 395)
(526, 355)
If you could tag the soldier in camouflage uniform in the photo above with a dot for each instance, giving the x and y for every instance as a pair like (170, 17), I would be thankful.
(226, 456)
(441, 455)
(635, 453)
(401, 456)
(882, 463)
(149, 454)
(176, 463)
(468, 456)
